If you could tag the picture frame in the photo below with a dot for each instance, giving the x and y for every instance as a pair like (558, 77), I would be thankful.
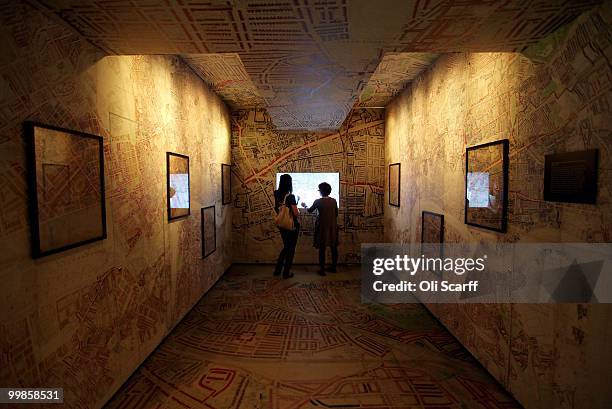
(209, 230)
(226, 184)
(486, 185)
(432, 227)
(178, 194)
(571, 177)
(394, 188)
(432, 235)
(66, 190)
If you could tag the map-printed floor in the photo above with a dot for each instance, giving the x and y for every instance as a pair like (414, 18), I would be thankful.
(255, 341)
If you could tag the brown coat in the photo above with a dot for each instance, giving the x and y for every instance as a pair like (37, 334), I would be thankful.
(326, 227)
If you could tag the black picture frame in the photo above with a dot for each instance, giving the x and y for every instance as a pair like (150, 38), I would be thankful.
(439, 216)
(571, 177)
(502, 225)
(432, 248)
(399, 184)
(207, 252)
(180, 215)
(30, 132)
(226, 176)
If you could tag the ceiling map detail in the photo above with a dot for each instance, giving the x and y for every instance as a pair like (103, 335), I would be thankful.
(310, 62)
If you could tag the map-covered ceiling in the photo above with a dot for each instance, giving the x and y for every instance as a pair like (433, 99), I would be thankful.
(310, 61)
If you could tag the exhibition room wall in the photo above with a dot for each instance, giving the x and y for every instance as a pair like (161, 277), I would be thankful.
(85, 318)
(554, 97)
(260, 151)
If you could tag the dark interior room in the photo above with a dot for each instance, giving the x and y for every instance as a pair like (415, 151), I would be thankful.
(233, 204)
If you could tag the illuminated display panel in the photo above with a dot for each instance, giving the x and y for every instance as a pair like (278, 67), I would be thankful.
(306, 186)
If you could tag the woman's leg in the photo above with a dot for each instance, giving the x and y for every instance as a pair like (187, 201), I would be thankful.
(322, 257)
(321, 271)
(292, 238)
(283, 253)
(334, 251)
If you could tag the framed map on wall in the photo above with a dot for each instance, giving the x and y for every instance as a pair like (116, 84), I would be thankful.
(486, 185)
(209, 231)
(66, 188)
(432, 227)
(177, 186)
(394, 184)
(432, 234)
(226, 184)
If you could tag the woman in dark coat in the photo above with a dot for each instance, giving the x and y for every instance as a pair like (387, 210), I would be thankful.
(326, 227)
(283, 197)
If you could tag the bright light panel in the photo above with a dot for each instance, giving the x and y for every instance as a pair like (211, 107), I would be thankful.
(306, 186)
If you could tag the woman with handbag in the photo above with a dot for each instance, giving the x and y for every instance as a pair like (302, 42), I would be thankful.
(288, 224)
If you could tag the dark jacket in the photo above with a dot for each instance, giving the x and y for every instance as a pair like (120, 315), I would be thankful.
(326, 227)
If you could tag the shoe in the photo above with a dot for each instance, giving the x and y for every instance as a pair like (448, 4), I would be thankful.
(331, 269)
(321, 272)
(287, 275)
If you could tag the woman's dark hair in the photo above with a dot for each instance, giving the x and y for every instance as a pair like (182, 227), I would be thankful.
(325, 188)
(285, 185)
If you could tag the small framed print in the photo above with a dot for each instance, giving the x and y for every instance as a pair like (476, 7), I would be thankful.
(432, 227)
(432, 235)
(177, 186)
(66, 188)
(571, 177)
(394, 184)
(209, 231)
(486, 185)
(226, 184)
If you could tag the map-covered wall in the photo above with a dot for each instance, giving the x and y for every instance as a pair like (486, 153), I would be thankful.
(555, 97)
(259, 151)
(84, 319)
